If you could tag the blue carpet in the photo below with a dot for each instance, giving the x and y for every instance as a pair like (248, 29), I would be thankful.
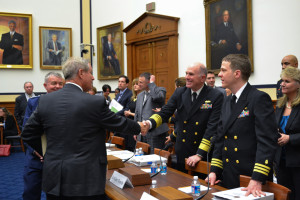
(11, 176)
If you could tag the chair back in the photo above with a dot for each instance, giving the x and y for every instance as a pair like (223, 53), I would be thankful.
(16, 137)
(118, 141)
(164, 154)
(280, 192)
(145, 147)
(201, 167)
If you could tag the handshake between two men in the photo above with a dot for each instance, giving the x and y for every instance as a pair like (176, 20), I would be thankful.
(145, 126)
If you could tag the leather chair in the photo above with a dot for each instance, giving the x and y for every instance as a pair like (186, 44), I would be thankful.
(118, 141)
(201, 167)
(145, 147)
(165, 154)
(11, 139)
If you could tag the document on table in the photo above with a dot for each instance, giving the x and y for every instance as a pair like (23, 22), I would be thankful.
(237, 193)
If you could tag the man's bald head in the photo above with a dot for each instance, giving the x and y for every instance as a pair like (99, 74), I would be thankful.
(289, 60)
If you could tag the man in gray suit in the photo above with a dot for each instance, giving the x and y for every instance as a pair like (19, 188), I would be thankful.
(210, 81)
(151, 98)
(74, 123)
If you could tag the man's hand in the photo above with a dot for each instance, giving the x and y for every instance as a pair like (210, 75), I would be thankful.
(193, 160)
(127, 113)
(19, 47)
(238, 46)
(38, 155)
(168, 139)
(152, 79)
(284, 139)
(212, 177)
(156, 109)
(145, 126)
(254, 188)
(223, 41)
(135, 137)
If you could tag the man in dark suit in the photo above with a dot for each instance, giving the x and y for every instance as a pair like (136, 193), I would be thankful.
(74, 123)
(125, 94)
(33, 163)
(12, 43)
(198, 110)
(247, 132)
(110, 55)
(55, 51)
(289, 60)
(147, 101)
(210, 81)
(21, 103)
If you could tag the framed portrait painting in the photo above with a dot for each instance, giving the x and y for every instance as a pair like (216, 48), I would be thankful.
(16, 41)
(228, 30)
(55, 46)
(110, 51)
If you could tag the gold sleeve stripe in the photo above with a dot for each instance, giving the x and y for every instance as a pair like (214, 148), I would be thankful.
(264, 166)
(157, 119)
(262, 169)
(170, 119)
(204, 145)
(205, 141)
(262, 172)
(174, 134)
(217, 163)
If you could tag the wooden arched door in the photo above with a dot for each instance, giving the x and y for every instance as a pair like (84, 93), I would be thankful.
(152, 46)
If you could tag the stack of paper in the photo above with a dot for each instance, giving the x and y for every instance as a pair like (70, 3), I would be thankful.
(124, 154)
(237, 193)
(115, 106)
(147, 159)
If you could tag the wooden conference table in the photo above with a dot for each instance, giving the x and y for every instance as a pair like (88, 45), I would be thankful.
(173, 178)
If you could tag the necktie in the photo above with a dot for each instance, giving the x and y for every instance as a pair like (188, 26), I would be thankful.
(121, 93)
(11, 35)
(55, 46)
(145, 97)
(194, 97)
(233, 101)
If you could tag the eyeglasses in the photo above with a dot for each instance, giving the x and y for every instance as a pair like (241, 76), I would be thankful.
(285, 63)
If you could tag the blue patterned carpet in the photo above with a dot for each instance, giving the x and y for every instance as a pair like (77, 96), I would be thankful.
(11, 176)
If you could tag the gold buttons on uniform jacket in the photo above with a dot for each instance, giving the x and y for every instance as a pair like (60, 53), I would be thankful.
(197, 123)
(196, 133)
(225, 148)
(185, 122)
(235, 137)
(227, 160)
(183, 140)
(195, 142)
(237, 161)
(184, 131)
(235, 149)
(225, 136)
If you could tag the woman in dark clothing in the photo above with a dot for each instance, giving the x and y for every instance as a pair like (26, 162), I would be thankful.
(131, 112)
(10, 127)
(288, 120)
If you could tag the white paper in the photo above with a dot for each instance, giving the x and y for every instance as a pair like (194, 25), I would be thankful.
(147, 196)
(115, 106)
(188, 189)
(109, 145)
(147, 170)
(147, 159)
(120, 180)
(237, 193)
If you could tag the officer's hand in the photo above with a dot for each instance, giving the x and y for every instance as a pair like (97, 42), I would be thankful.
(212, 177)
(193, 160)
(168, 139)
(254, 188)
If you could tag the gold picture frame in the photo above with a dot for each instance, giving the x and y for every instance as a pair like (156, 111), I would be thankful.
(55, 46)
(233, 37)
(16, 41)
(110, 54)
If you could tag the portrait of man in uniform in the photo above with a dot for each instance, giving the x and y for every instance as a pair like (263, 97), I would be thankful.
(228, 30)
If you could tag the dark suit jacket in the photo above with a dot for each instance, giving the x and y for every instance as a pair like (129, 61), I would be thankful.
(74, 123)
(20, 107)
(292, 148)
(196, 123)
(11, 55)
(124, 101)
(54, 59)
(246, 140)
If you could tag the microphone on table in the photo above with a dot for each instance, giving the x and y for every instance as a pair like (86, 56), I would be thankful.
(212, 141)
(133, 153)
(165, 148)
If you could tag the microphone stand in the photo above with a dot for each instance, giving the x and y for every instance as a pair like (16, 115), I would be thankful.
(132, 155)
(160, 167)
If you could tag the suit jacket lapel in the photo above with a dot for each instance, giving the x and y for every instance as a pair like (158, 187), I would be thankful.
(186, 100)
(292, 116)
(147, 97)
(238, 108)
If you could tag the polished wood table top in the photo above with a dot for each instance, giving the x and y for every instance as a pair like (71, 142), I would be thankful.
(173, 178)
